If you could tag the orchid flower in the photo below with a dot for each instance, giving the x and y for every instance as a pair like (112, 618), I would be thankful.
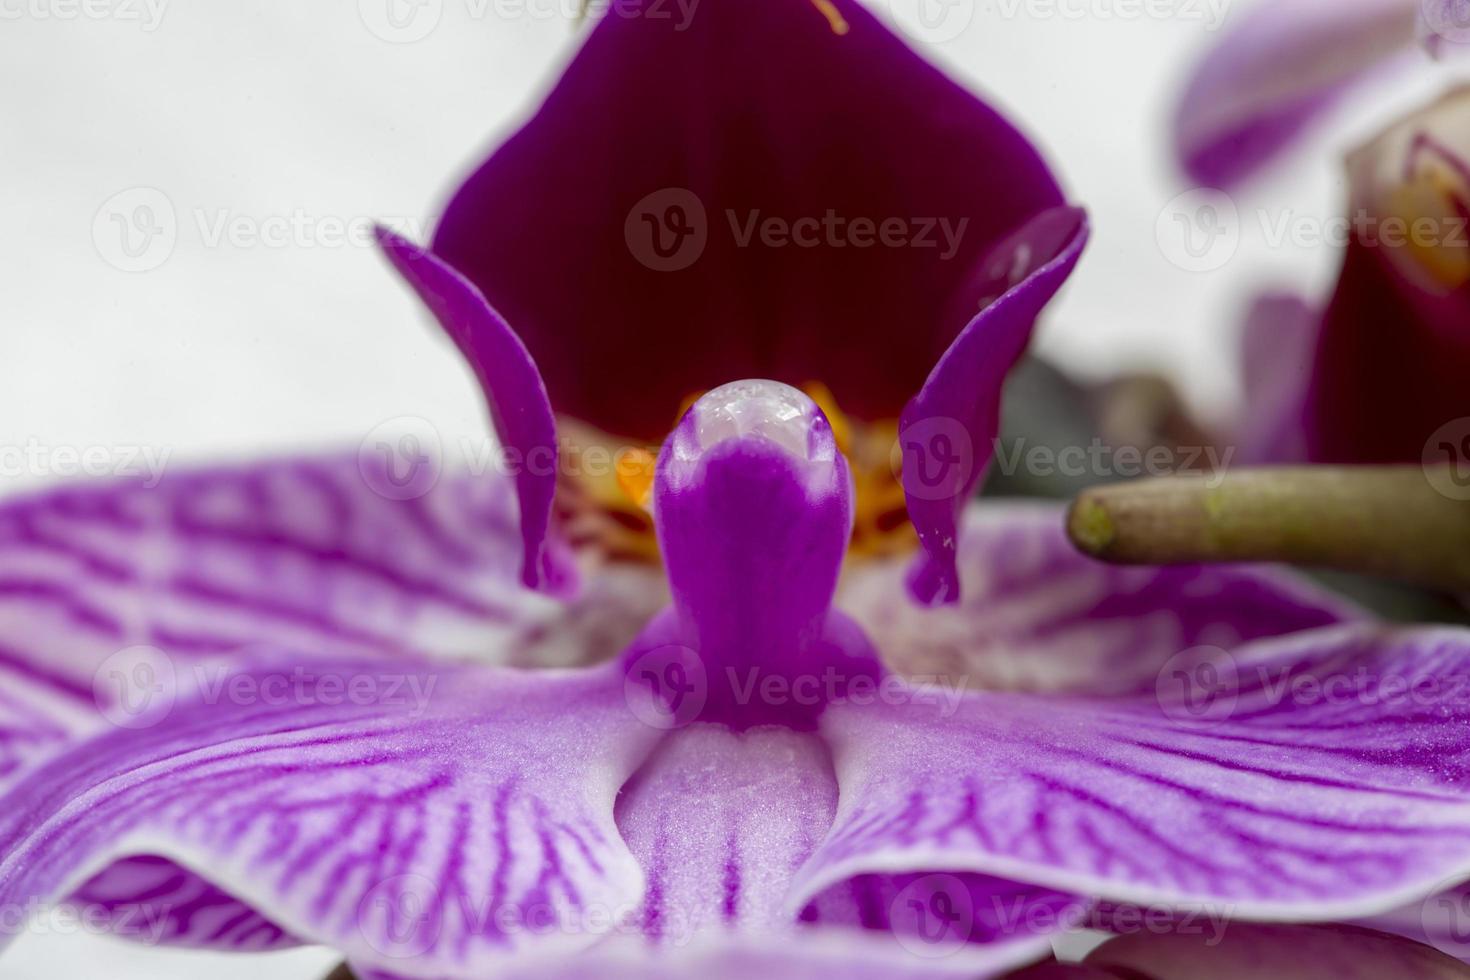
(1286, 63)
(246, 703)
(750, 769)
(1378, 375)
(776, 189)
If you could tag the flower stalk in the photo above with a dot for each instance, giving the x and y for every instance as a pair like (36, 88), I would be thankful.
(1381, 520)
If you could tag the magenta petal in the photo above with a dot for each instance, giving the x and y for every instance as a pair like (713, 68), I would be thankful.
(513, 389)
(1037, 615)
(741, 112)
(442, 820)
(41, 712)
(1274, 72)
(1321, 776)
(947, 430)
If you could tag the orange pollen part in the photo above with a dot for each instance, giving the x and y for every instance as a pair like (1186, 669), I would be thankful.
(834, 17)
(607, 508)
(1432, 203)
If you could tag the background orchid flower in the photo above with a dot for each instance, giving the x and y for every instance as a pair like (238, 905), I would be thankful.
(1378, 375)
(1288, 61)
(1312, 952)
(698, 789)
(773, 189)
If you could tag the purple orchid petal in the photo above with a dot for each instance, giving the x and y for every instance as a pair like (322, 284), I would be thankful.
(1280, 336)
(700, 128)
(102, 584)
(41, 713)
(1039, 616)
(1325, 775)
(753, 506)
(513, 389)
(1308, 952)
(946, 431)
(1277, 70)
(438, 819)
(151, 899)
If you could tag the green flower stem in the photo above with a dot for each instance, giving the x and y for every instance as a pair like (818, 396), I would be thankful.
(1380, 520)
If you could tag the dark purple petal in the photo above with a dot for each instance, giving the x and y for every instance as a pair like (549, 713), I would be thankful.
(947, 430)
(1325, 775)
(1246, 949)
(1278, 69)
(1039, 616)
(1393, 350)
(753, 505)
(513, 388)
(439, 819)
(741, 111)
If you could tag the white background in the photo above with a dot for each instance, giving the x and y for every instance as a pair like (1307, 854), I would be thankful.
(283, 107)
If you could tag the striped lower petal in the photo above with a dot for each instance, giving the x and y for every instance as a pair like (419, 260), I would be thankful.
(430, 822)
(1320, 776)
(112, 594)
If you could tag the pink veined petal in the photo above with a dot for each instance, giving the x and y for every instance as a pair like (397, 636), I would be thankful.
(721, 821)
(109, 591)
(1320, 776)
(1039, 616)
(513, 388)
(40, 714)
(1279, 68)
(152, 900)
(946, 431)
(430, 821)
(1245, 949)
